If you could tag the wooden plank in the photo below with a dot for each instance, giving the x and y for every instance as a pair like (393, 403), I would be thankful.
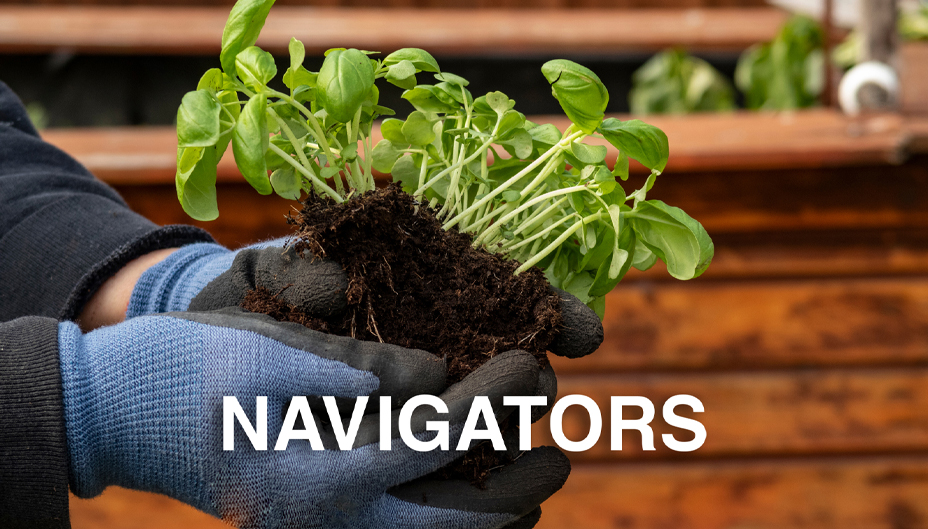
(823, 493)
(244, 216)
(850, 252)
(761, 413)
(198, 30)
(761, 324)
(832, 493)
(720, 142)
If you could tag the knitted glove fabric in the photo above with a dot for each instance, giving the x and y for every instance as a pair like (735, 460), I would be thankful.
(143, 409)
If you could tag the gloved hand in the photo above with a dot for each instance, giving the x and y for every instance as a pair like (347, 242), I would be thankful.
(316, 285)
(143, 409)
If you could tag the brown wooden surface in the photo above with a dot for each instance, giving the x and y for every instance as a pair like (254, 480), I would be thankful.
(760, 413)
(760, 324)
(707, 142)
(826, 493)
(198, 30)
(913, 76)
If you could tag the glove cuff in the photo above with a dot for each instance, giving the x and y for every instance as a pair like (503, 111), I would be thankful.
(80, 416)
(170, 285)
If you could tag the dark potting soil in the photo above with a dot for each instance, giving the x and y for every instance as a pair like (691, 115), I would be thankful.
(413, 284)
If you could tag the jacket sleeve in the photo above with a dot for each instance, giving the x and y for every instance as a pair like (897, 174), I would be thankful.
(62, 232)
(33, 447)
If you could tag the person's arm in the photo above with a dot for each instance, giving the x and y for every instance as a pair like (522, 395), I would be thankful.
(62, 232)
(109, 303)
(33, 447)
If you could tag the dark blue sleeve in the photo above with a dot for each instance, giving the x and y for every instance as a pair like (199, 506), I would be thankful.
(62, 232)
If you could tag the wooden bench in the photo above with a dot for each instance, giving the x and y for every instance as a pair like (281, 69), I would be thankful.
(486, 32)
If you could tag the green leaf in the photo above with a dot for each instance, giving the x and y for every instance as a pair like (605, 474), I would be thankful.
(402, 74)
(546, 136)
(499, 102)
(427, 100)
(601, 252)
(392, 129)
(509, 121)
(511, 196)
(241, 31)
(601, 175)
(621, 166)
(519, 144)
(579, 286)
(384, 156)
(645, 143)
(579, 91)
(250, 141)
(455, 94)
(195, 181)
(382, 111)
(644, 258)
(406, 173)
(296, 75)
(675, 237)
(344, 82)
(211, 80)
(255, 67)
(588, 154)
(612, 270)
(287, 183)
(421, 59)
(198, 120)
(451, 78)
(418, 129)
(598, 305)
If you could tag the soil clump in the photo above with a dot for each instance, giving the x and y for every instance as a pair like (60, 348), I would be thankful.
(413, 284)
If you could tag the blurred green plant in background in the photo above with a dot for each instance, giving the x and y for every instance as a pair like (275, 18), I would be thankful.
(37, 114)
(912, 26)
(787, 72)
(674, 82)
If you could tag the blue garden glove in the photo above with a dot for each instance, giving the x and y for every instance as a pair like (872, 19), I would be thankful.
(317, 286)
(144, 410)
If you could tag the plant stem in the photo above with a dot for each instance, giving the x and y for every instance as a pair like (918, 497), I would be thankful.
(290, 136)
(539, 235)
(539, 216)
(557, 242)
(506, 218)
(531, 167)
(314, 123)
(316, 180)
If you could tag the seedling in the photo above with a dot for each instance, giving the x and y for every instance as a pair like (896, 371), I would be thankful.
(551, 200)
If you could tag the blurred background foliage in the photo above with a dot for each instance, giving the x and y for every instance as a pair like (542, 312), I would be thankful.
(786, 73)
(674, 82)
